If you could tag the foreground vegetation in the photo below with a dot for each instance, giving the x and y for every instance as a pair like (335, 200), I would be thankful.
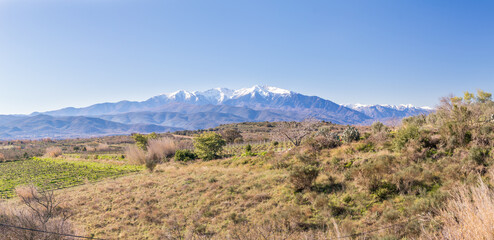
(429, 178)
(50, 173)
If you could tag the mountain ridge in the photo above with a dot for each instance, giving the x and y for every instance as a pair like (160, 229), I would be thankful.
(197, 110)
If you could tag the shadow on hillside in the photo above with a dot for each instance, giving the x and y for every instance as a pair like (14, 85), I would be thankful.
(327, 188)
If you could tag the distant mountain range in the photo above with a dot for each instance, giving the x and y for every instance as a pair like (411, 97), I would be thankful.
(194, 110)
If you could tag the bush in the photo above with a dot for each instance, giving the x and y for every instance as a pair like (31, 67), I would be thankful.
(478, 155)
(248, 151)
(378, 127)
(404, 135)
(151, 160)
(303, 176)
(350, 134)
(53, 152)
(208, 145)
(135, 155)
(382, 189)
(185, 155)
(163, 148)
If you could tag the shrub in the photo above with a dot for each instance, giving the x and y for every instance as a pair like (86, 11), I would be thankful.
(135, 155)
(185, 155)
(208, 145)
(382, 189)
(152, 159)
(378, 127)
(53, 152)
(350, 134)
(303, 176)
(248, 151)
(2, 157)
(162, 148)
(365, 147)
(404, 135)
(478, 155)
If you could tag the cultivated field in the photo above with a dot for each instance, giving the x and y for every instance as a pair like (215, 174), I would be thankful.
(56, 173)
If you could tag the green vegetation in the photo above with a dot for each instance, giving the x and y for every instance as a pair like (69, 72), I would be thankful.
(185, 155)
(142, 140)
(54, 173)
(208, 145)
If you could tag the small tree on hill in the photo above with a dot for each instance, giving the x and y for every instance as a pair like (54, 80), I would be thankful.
(230, 135)
(142, 140)
(208, 145)
(295, 132)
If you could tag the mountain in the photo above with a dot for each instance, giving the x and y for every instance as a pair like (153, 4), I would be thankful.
(42, 126)
(256, 98)
(388, 112)
(194, 110)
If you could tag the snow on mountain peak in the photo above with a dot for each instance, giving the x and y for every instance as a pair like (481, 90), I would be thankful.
(181, 94)
(218, 95)
(358, 106)
(261, 90)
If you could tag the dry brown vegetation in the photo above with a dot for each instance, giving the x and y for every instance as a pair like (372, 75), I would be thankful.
(135, 155)
(468, 214)
(38, 210)
(53, 152)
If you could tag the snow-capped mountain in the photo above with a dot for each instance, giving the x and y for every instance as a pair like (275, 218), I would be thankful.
(386, 111)
(197, 109)
(217, 96)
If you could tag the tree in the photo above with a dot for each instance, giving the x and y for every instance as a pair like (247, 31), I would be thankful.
(230, 135)
(141, 141)
(208, 145)
(295, 132)
(483, 97)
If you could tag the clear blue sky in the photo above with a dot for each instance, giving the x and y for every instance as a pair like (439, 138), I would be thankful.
(59, 53)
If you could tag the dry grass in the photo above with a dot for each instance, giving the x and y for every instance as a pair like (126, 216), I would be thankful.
(469, 214)
(196, 201)
(135, 155)
(2, 157)
(53, 152)
(103, 147)
(162, 148)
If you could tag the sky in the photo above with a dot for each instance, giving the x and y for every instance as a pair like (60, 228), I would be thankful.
(59, 53)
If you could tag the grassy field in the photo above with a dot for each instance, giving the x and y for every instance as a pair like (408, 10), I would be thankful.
(55, 173)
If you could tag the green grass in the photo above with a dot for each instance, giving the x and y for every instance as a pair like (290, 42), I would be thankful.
(258, 148)
(54, 173)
